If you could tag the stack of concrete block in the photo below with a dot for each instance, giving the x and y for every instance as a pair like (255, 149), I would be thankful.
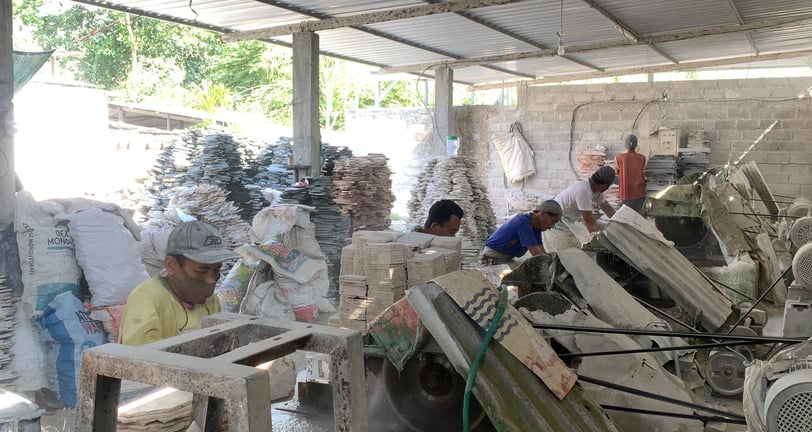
(426, 264)
(378, 266)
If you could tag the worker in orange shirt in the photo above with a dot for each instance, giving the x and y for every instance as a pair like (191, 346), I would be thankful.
(631, 170)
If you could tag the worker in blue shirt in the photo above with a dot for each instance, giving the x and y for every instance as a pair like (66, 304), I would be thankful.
(521, 234)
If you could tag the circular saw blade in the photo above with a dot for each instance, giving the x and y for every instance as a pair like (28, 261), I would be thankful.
(427, 395)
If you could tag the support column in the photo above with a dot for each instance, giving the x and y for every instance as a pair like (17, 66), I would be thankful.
(7, 173)
(306, 132)
(443, 102)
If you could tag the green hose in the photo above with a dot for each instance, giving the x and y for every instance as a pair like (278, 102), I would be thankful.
(469, 382)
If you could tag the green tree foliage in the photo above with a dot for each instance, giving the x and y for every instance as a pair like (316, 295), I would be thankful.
(151, 60)
(102, 43)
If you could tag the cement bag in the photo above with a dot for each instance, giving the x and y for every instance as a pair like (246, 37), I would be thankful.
(233, 287)
(110, 318)
(152, 248)
(106, 251)
(301, 297)
(71, 330)
(47, 254)
(264, 299)
(517, 157)
(29, 359)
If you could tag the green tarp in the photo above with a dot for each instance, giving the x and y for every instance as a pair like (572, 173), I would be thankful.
(26, 65)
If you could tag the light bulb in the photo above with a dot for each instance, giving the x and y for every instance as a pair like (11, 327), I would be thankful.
(560, 44)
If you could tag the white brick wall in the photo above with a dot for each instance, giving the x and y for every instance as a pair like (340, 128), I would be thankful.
(734, 112)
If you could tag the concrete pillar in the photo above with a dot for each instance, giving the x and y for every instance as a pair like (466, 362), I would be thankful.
(7, 173)
(306, 132)
(443, 102)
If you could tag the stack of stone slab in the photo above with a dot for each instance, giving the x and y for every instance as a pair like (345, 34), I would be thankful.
(362, 187)
(589, 160)
(378, 267)
(694, 159)
(6, 332)
(457, 179)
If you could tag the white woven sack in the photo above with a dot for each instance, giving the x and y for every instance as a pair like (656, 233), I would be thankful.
(517, 157)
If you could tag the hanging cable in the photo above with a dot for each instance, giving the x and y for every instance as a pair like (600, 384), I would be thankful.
(193, 10)
(561, 30)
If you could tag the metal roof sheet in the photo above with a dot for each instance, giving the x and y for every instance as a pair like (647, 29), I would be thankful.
(515, 42)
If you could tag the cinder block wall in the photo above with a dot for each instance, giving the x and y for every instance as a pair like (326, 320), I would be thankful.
(559, 120)
(733, 112)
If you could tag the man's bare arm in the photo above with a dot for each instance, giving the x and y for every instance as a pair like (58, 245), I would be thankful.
(589, 220)
(607, 209)
(536, 250)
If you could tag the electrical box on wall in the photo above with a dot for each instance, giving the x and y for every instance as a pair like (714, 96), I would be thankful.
(669, 140)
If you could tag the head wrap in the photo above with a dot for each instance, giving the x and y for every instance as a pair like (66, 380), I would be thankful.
(549, 206)
(603, 176)
(630, 142)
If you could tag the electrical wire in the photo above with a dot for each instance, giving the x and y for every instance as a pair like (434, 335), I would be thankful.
(432, 115)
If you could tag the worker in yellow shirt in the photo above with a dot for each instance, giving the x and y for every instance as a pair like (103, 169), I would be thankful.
(182, 295)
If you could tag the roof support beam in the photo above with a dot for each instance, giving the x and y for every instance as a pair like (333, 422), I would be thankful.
(624, 30)
(646, 70)
(511, 34)
(644, 40)
(662, 53)
(378, 33)
(741, 21)
(628, 33)
(363, 19)
(582, 63)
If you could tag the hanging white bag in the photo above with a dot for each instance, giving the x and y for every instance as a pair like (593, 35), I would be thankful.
(517, 157)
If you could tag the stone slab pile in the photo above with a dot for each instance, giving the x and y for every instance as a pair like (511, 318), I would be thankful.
(455, 178)
(694, 158)
(362, 187)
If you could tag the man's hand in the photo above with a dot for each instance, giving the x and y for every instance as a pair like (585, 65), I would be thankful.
(536, 250)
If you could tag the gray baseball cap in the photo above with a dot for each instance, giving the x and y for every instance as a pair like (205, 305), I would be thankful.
(199, 242)
(549, 206)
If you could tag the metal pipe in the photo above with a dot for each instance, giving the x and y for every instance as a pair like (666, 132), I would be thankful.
(658, 349)
(667, 315)
(703, 419)
(763, 214)
(658, 397)
(760, 339)
(731, 288)
(775, 201)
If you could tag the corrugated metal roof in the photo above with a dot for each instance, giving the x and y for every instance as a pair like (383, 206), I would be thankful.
(514, 42)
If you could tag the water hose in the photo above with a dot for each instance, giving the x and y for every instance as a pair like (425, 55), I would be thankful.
(469, 382)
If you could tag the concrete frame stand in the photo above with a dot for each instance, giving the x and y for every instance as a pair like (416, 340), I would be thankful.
(216, 365)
